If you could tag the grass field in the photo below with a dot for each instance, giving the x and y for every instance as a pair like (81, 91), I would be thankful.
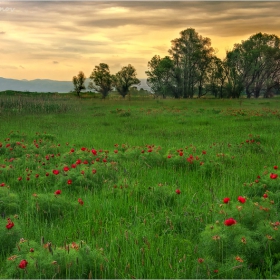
(135, 189)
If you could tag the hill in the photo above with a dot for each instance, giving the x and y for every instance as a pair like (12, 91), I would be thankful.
(45, 85)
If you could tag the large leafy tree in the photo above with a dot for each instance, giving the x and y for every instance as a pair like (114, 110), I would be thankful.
(257, 63)
(160, 76)
(102, 80)
(124, 79)
(79, 82)
(192, 55)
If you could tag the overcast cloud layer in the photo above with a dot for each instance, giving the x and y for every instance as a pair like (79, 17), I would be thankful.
(56, 40)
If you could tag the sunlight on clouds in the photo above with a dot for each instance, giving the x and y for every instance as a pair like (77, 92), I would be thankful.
(113, 11)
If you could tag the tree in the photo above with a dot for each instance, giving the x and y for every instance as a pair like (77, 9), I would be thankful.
(79, 82)
(124, 79)
(102, 80)
(160, 75)
(192, 55)
(257, 62)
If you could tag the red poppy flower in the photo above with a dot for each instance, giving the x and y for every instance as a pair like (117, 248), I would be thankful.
(66, 168)
(22, 264)
(47, 174)
(93, 171)
(85, 162)
(230, 222)
(169, 156)
(273, 176)
(275, 167)
(204, 152)
(104, 160)
(80, 201)
(178, 191)
(10, 224)
(72, 150)
(226, 200)
(82, 172)
(2, 185)
(83, 148)
(241, 199)
(19, 178)
(55, 172)
(94, 151)
(69, 182)
(78, 161)
(57, 192)
(115, 151)
(265, 195)
(73, 165)
(181, 154)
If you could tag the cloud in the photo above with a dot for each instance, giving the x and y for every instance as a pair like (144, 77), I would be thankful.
(8, 67)
(83, 34)
(21, 67)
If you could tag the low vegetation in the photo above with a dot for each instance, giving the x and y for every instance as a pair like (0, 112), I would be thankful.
(139, 188)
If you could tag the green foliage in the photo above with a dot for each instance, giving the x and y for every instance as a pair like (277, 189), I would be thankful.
(48, 261)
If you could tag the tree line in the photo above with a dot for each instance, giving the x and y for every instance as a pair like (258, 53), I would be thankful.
(103, 82)
(192, 68)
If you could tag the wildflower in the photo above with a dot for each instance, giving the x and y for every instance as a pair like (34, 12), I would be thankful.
(200, 260)
(275, 167)
(57, 192)
(93, 171)
(78, 161)
(80, 201)
(273, 176)
(83, 148)
(216, 237)
(55, 172)
(115, 151)
(12, 258)
(178, 191)
(73, 165)
(22, 264)
(66, 168)
(216, 271)
(94, 151)
(243, 240)
(72, 150)
(19, 178)
(10, 224)
(238, 259)
(230, 222)
(69, 182)
(31, 250)
(204, 152)
(269, 237)
(265, 195)
(241, 199)
(226, 200)
(2, 185)
(104, 160)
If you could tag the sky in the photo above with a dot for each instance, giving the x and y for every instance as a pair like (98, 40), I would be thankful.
(57, 39)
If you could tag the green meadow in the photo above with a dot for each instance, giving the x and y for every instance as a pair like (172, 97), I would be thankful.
(135, 188)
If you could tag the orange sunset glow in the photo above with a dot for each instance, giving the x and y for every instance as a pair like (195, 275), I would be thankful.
(56, 40)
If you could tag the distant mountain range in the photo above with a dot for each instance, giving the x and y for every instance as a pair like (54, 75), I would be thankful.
(45, 85)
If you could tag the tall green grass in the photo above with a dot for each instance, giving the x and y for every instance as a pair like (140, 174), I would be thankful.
(132, 223)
